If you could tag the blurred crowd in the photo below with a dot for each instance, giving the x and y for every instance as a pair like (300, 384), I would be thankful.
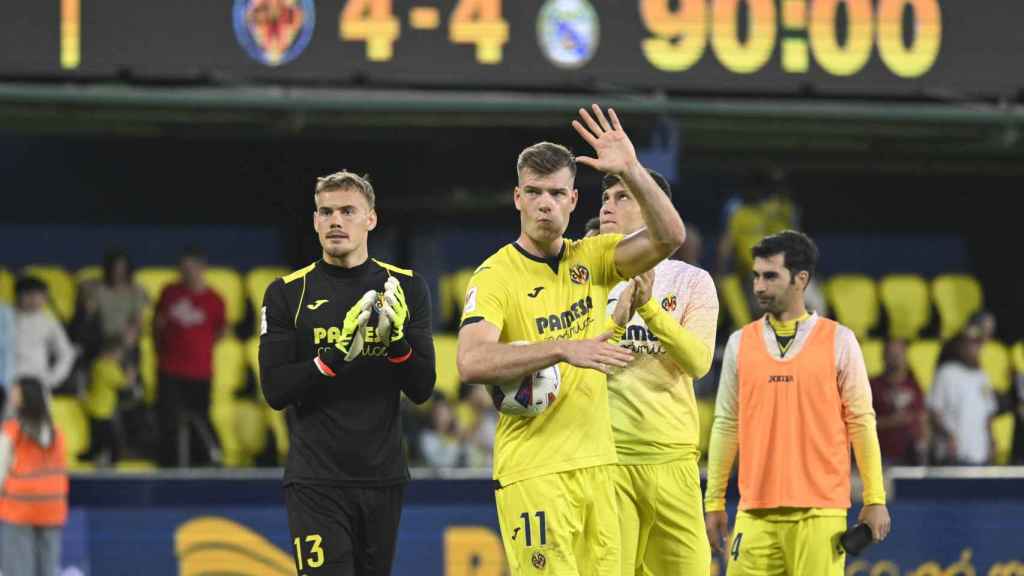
(96, 359)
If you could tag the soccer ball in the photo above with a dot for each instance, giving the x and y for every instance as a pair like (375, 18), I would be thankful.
(529, 396)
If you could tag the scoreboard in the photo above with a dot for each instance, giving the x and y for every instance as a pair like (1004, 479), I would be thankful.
(873, 48)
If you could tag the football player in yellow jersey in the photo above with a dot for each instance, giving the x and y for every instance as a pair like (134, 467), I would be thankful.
(653, 406)
(555, 500)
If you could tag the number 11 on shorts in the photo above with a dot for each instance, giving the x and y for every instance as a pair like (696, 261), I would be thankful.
(542, 527)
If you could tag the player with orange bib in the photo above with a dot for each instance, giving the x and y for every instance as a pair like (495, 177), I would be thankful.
(793, 397)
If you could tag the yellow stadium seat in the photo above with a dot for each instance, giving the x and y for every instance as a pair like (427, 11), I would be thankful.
(906, 303)
(61, 285)
(445, 351)
(148, 369)
(89, 274)
(256, 282)
(995, 361)
(275, 418)
(874, 356)
(229, 370)
(1002, 437)
(735, 300)
(6, 287)
(250, 429)
(957, 297)
(854, 299)
(228, 284)
(1018, 356)
(138, 466)
(460, 284)
(923, 358)
(70, 419)
(153, 280)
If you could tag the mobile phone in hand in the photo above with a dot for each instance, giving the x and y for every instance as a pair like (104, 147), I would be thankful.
(856, 539)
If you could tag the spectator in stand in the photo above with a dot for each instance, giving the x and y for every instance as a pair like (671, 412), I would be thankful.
(6, 353)
(189, 319)
(441, 443)
(120, 302)
(592, 227)
(109, 308)
(42, 348)
(479, 438)
(963, 403)
(34, 481)
(108, 377)
(899, 405)
(1015, 401)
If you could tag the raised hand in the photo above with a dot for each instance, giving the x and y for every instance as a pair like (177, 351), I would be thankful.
(615, 152)
(644, 288)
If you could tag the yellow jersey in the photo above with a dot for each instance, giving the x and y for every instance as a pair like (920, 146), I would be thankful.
(653, 407)
(533, 299)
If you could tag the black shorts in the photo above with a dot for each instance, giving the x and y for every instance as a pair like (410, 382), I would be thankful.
(343, 531)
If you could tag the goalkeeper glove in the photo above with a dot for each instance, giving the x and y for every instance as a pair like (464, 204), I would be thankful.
(353, 334)
(391, 323)
(395, 309)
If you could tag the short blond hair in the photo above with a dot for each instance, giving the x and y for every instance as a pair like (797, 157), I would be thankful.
(345, 180)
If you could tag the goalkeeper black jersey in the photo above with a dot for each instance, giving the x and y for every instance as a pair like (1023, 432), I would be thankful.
(346, 430)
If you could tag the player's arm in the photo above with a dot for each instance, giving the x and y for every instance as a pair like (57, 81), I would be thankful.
(484, 360)
(724, 446)
(859, 415)
(413, 356)
(691, 341)
(284, 379)
(664, 231)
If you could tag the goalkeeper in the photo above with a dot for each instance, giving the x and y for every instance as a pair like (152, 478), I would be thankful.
(339, 340)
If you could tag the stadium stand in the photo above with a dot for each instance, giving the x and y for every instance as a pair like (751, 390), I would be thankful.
(227, 282)
(61, 285)
(906, 303)
(854, 299)
(957, 297)
(923, 357)
(874, 356)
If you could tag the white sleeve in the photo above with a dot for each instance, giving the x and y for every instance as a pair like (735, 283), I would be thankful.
(64, 352)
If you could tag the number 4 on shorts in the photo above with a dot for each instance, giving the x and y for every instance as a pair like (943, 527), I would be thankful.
(735, 552)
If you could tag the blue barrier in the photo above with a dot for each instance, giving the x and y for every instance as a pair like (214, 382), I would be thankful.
(161, 525)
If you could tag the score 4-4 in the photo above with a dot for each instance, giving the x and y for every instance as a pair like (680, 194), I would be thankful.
(477, 22)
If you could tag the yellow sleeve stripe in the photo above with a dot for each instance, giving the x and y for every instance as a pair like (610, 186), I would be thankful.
(302, 296)
(299, 274)
(394, 269)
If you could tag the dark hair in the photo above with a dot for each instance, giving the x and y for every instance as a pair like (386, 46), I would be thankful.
(592, 225)
(545, 158)
(34, 413)
(610, 180)
(26, 284)
(798, 250)
(193, 251)
(109, 260)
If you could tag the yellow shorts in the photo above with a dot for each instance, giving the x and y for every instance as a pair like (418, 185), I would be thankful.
(661, 518)
(560, 524)
(766, 547)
